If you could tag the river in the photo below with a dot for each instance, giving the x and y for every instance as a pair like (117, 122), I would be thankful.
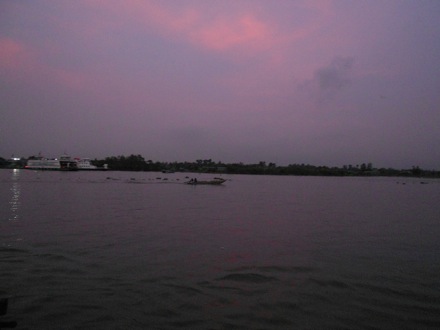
(141, 250)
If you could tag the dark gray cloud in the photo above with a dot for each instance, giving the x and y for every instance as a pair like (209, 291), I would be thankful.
(328, 81)
(336, 75)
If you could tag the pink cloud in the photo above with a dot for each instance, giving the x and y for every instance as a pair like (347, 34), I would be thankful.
(237, 30)
(12, 53)
(238, 33)
(199, 25)
(73, 80)
(243, 31)
(22, 62)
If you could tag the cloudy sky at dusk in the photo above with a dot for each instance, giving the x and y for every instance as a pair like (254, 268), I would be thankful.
(318, 82)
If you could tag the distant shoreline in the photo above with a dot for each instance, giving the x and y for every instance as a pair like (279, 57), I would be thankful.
(138, 163)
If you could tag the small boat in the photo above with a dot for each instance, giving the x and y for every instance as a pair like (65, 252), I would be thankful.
(215, 181)
(85, 164)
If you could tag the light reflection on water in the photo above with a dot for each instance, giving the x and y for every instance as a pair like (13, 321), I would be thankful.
(15, 198)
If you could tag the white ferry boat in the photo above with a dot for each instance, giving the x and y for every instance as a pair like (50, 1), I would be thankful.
(64, 163)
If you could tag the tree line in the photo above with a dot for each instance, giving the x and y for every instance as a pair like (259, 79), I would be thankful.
(138, 163)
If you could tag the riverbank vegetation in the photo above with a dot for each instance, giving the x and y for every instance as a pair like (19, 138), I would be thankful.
(138, 163)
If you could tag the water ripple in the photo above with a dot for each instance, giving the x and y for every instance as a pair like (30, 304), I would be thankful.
(247, 278)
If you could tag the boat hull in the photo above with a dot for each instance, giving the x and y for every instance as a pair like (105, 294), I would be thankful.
(209, 182)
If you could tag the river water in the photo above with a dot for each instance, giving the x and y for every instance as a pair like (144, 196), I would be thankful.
(135, 250)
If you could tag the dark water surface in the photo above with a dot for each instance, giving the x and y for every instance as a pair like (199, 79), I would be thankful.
(124, 250)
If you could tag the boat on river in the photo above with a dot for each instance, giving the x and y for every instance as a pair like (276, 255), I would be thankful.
(85, 164)
(215, 181)
(64, 163)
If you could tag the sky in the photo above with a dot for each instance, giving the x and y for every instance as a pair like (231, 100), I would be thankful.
(310, 81)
